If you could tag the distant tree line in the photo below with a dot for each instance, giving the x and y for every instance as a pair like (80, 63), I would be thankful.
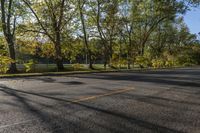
(147, 33)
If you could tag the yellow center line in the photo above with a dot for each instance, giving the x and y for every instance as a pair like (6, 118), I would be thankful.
(119, 91)
(103, 95)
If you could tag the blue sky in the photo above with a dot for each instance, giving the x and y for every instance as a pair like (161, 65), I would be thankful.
(192, 19)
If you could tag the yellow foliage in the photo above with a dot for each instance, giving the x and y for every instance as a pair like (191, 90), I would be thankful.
(4, 63)
(77, 66)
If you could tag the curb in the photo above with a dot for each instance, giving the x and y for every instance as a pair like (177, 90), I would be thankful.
(53, 74)
(84, 72)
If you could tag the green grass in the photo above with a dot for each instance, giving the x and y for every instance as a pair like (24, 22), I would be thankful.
(51, 69)
(52, 73)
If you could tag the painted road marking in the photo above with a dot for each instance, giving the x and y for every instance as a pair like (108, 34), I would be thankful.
(119, 91)
(102, 95)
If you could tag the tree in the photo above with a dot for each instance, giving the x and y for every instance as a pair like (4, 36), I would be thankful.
(111, 32)
(155, 12)
(81, 4)
(105, 21)
(194, 2)
(8, 22)
(52, 20)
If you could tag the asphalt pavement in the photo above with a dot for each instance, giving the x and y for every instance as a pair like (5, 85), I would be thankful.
(162, 101)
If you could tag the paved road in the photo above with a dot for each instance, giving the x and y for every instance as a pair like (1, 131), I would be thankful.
(165, 101)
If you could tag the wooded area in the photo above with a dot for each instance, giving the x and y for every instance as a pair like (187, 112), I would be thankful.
(115, 33)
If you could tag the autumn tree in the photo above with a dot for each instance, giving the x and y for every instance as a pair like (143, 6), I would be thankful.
(8, 23)
(81, 6)
(52, 21)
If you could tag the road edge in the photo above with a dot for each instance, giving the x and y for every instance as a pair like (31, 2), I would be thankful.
(22, 75)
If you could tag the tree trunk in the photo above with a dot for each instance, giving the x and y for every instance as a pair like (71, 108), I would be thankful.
(129, 52)
(9, 35)
(142, 49)
(90, 60)
(59, 64)
(11, 47)
(128, 60)
(105, 64)
(110, 54)
(85, 35)
(105, 59)
(129, 57)
(59, 59)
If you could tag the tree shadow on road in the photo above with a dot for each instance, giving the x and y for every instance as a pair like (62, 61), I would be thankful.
(46, 118)
(165, 78)
(53, 80)
(49, 119)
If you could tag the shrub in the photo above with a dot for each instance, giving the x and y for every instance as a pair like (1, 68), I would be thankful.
(29, 66)
(118, 62)
(169, 63)
(77, 66)
(4, 63)
(122, 62)
(142, 61)
(158, 63)
(186, 60)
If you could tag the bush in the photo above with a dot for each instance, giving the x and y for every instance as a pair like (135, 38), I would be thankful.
(187, 64)
(118, 62)
(158, 63)
(169, 63)
(114, 63)
(29, 66)
(122, 62)
(142, 61)
(186, 60)
(77, 66)
(4, 63)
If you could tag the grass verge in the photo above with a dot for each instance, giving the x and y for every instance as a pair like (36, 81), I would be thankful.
(81, 71)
